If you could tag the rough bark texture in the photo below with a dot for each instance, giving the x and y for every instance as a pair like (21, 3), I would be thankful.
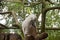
(5, 36)
(38, 37)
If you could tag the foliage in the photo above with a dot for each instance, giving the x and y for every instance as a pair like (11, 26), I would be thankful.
(22, 11)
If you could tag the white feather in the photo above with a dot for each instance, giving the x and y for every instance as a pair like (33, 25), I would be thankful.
(26, 23)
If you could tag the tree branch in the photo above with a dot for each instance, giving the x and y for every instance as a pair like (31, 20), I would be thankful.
(50, 1)
(6, 27)
(5, 12)
(50, 28)
(51, 8)
(2, 26)
(15, 18)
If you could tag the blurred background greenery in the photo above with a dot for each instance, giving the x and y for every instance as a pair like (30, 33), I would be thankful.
(23, 8)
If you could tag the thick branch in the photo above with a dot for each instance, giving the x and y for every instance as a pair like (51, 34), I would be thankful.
(2, 26)
(50, 1)
(51, 8)
(15, 18)
(6, 27)
(43, 17)
(5, 12)
(50, 28)
(42, 36)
